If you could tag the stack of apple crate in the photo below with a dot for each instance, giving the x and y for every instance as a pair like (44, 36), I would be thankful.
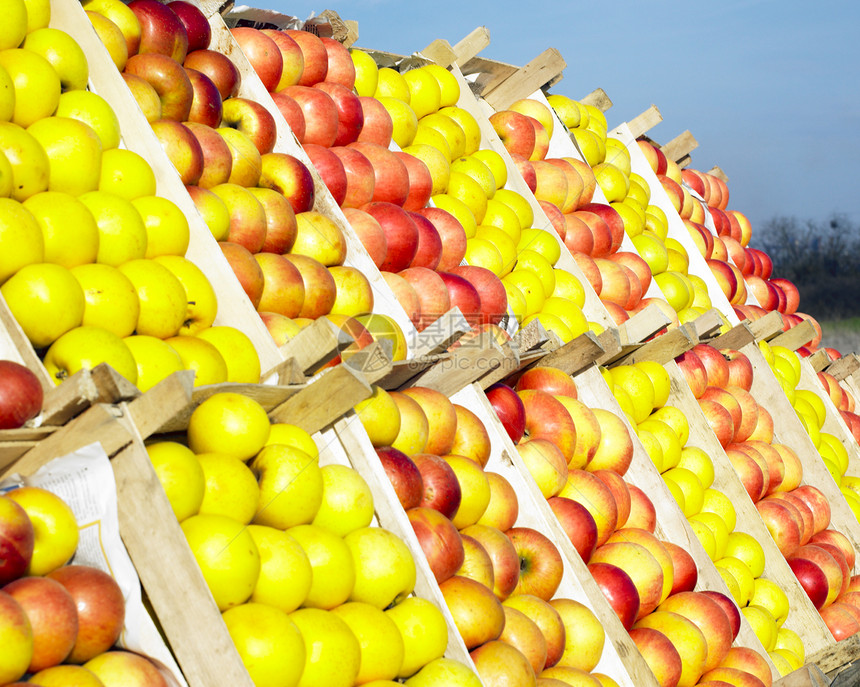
(234, 309)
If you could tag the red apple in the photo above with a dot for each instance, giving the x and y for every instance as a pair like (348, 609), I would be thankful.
(433, 298)
(291, 177)
(619, 590)
(693, 368)
(196, 25)
(502, 553)
(440, 541)
(509, 409)
(643, 515)
(401, 234)
(292, 113)
(320, 287)
(781, 523)
(161, 30)
(840, 621)
(659, 654)
(716, 365)
(550, 380)
(21, 395)
(53, 616)
(263, 54)
(246, 269)
(597, 498)
(390, 175)
(515, 131)
(812, 578)
(547, 418)
(613, 221)
(283, 288)
(169, 79)
(686, 574)
(331, 170)
(281, 226)
(182, 148)
(219, 68)
(320, 113)
(350, 115)
(314, 54)
(420, 182)
(16, 539)
(359, 176)
(494, 298)
(429, 243)
(251, 118)
(369, 232)
(206, 104)
(740, 368)
(729, 608)
(818, 504)
(441, 490)
(578, 523)
(601, 235)
(378, 126)
(101, 609)
(292, 59)
(526, 170)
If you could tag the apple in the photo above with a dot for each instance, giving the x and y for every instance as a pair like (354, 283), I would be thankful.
(263, 54)
(619, 590)
(283, 286)
(688, 639)
(781, 524)
(818, 504)
(550, 380)
(642, 567)
(541, 566)
(523, 634)
(404, 476)
(694, 372)
(170, 81)
(429, 250)
(477, 564)
(289, 176)
(331, 170)
(217, 160)
(350, 115)
(314, 54)
(161, 30)
(320, 287)
(509, 408)
(840, 621)
(281, 225)
(182, 148)
(601, 235)
(247, 216)
(716, 365)
(494, 298)
(516, 132)
(206, 105)
(441, 416)
(709, 617)
(440, 541)
(441, 489)
(292, 59)
(254, 120)
(219, 68)
(100, 605)
(503, 509)
(401, 234)
(592, 493)
(17, 638)
(588, 432)
(478, 614)
(133, 669)
(292, 113)
(613, 220)
(378, 126)
(320, 113)
(53, 617)
(503, 554)
(839, 540)
(359, 181)
(686, 574)
(17, 540)
(720, 420)
(21, 394)
(584, 637)
(246, 268)
(547, 418)
(420, 182)
(828, 564)
(660, 655)
(145, 95)
(196, 25)
(391, 176)
(578, 523)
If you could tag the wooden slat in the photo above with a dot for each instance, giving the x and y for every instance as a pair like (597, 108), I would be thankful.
(170, 575)
(372, 361)
(835, 657)
(467, 363)
(644, 121)
(322, 402)
(316, 344)
(643, 325)
(767, 326)
(664, 348)
(844, 366)
(161, 402)
(719, 173)
(439, 335)
(471, 44)
(797, 336)
(440, 52)
(707, 324)
(819, 360)
(575, 355)
(542, 69)
(23, 351)
(680, 146)
(598, 98)
(404, 370)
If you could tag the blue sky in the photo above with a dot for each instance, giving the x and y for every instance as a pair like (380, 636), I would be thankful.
(771, 90)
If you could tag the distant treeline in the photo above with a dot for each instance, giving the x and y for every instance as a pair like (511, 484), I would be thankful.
(822, 258)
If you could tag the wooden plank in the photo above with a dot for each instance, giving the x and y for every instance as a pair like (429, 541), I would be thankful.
(372, 361)
(97, 423)
(177, 592)
(662, 349)
(543, 68)
(111, 386)
(707, 324)
(316, 344)
(440, 52)
(530, 337)
(598, 98)
(844, 366)
(819, 360)
(404, 370)
(836, 656)
(680, 146)
(466, 364)
(644, 121)
(575, 355)
(737, 337)
(797, 336)
(21, 349)
(643, 325)
(471, 44)
(719, 173)
(610, 342)
(766, 327)
(809, 675)
(324, 401)
(440, 334)
(161, 403)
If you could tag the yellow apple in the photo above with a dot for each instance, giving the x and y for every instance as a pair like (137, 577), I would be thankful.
(29, 162)
(464, 188)
(332, 563)
(425, 93)
(180, 474)
(228, 422)
(70, 233)
(227, 556)
(427, 135)
(122, 234)
(380, 417)
(285, 571)
(354, 293)
(63, 53)
(437, 163)
(6, 180)
(16, 639)
(155, 359)
(167, 230)
(20, 238)
(46, 300)
(333, 652)
(127, 174)
(384, 568)
(54, 525)
(347, 502)
(201, 357)
(110, 299)
(243, 363)
(268, 642)
(67, 674)
(403, 119)
(384, 327)
(292, 435)
(390, 83)
(202, 303)
(444, 671)
(75, 151)
(468, 124)
(291, 486)
(423, 630)
(459, 209)
(38, 14)
(112, 38)
(366, 72)
(14, 27)
(381, 643)
(450, 129)
(37, 86)
(121, 15)
(163, 302)
(86, 347)
(502, 216)
(7, 96)
(483, 253)
(475, 168)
